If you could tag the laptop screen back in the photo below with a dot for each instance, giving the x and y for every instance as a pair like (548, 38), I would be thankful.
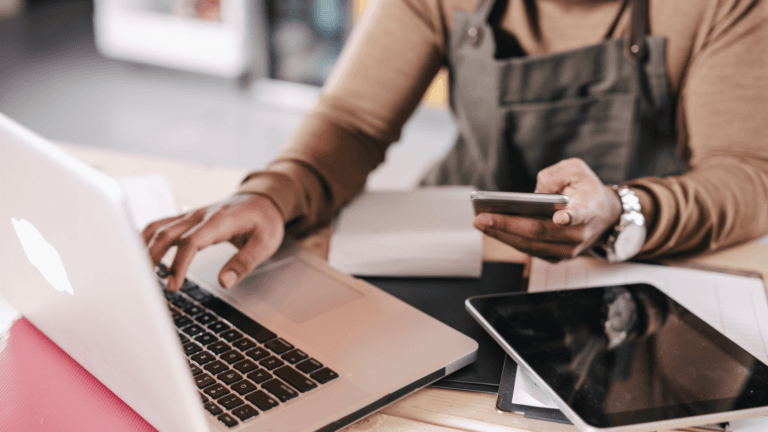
(74, 267)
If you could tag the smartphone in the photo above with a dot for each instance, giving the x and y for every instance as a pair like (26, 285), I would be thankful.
(518, 203)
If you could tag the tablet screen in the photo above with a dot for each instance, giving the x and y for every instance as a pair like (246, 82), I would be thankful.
(624, 355)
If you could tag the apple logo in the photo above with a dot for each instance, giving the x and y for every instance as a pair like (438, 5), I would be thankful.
(42, 255)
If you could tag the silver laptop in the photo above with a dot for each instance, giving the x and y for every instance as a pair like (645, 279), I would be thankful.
(299, 347)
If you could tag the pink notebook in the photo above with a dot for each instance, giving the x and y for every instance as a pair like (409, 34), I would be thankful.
(43, 389)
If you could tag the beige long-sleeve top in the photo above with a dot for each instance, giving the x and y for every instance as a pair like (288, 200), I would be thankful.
(717, 59)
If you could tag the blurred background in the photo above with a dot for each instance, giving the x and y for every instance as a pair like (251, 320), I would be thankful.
(215, 81)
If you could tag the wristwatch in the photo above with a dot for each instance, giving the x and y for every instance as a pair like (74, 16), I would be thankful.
(628, 236)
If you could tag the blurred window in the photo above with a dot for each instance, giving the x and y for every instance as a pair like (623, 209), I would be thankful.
(307, 37)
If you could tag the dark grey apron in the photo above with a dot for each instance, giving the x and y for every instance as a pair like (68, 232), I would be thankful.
(608, 104)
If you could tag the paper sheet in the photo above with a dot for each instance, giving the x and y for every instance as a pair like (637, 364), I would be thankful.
(528, 393)
(422, 232)
(755, 424)
(735, 305)
(149, 198)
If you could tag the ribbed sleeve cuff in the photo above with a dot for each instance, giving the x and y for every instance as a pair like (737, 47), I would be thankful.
(276, 186)
(658, 208)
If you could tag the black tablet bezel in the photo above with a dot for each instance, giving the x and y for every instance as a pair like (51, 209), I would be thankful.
(755, 396)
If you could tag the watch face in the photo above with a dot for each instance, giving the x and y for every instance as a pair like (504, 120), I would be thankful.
(629, 241)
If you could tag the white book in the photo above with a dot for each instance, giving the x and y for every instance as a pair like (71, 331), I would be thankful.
(424, 232)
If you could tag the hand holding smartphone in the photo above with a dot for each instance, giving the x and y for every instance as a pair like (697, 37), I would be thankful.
(518, 203)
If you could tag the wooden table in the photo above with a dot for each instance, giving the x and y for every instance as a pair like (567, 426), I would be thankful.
(429, 409)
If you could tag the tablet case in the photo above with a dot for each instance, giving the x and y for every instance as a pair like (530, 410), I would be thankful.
(507, 389)
(443, 299)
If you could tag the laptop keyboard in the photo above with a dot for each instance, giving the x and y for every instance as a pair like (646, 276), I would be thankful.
(241, 368)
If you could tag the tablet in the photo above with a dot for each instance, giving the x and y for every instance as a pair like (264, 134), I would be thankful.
(625, 357)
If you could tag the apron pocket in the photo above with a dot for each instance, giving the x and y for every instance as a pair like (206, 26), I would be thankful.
(596, 129)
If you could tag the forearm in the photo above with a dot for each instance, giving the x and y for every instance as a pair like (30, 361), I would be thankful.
(720, 203)
(309, 183)
(385, 68)
(723, 199)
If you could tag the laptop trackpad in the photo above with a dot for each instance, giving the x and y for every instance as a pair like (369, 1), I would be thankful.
(293, 288)
(298, 291)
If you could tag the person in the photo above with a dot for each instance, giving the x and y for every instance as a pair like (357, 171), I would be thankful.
(666, 99)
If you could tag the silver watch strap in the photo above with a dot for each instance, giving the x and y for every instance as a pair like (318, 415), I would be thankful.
(631, 225)
(629, 200)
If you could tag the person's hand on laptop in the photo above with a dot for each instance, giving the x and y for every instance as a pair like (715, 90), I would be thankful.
(592, 210)
(250, 222)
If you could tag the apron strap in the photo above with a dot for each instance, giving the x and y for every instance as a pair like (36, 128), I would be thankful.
(478, 20)
(616, 20)
(635, 44)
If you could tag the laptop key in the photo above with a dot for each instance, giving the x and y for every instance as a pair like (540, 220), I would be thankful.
(230, 401)
(188, 285)
(161, 270)
(246, 325)
(245, 412)
(204, 380)
(182, 302)
(259, 376)
(182, 321)
(279, 389)
(245, 366)
(191, 348)
(195, 370)
(262, 400)
(202, 358)
(278, 346)
(324, 375)
(231, 335)
(216, 391)
(257, 353)
(213, 408)
(206, 338)
(244, 344)
(309, 365)
(216, 367)
(271, 362)
(206, 319)
(228, 420)
(219, 347)
(232, 356)
(243, 387)
(218, 327)
(194, 310)
(229, 377)
(295, 378)
(294, 356)
(193, 330)
(199, 294)
(203, 397)
(183, 338)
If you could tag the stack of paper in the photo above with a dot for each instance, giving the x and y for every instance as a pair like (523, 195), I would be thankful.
(422, 232)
